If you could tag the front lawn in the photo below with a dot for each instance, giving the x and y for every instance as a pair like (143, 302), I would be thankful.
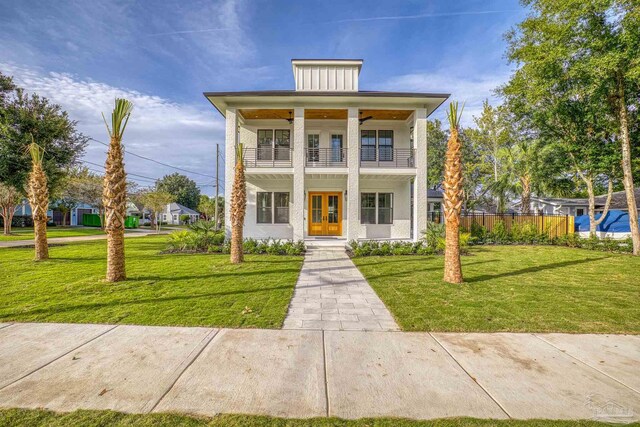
(512, 288)
(187, 290)
(37, 417)
(27, 233)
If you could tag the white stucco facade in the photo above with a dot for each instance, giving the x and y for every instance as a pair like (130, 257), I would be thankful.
(327, 159)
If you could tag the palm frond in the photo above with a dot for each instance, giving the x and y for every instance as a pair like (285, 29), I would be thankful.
(119, 118)
(240, 153)
(36, 152)
(454, 114)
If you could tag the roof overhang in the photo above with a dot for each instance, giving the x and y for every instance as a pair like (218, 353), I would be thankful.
(291, 99)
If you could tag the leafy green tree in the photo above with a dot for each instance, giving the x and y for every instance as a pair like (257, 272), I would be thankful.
(585, 51)
(156, 201)
(184, 190)
(10, 198)
(436, 150)
(207, 207)
(23, 117)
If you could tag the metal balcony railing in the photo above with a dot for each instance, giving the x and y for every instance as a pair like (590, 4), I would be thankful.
(268, 157)
(326, 157)
(387, 157)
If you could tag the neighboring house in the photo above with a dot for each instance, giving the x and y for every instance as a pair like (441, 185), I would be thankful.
(173, 212)
(578, 207)
(434, 201)
(74, 217)
(328, 159)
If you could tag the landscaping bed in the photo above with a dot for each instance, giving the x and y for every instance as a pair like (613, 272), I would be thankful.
(170, 289)
(511, 288)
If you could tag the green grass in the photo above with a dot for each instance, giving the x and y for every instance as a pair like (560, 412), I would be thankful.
(27, 233)
(512, 288)
(188, 290)
(36, 417)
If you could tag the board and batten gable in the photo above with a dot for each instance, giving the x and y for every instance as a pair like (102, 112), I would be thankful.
(326, 75)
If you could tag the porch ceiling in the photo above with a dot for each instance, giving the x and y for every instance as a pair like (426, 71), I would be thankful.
(322, 114)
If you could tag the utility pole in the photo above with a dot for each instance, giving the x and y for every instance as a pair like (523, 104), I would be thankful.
(217, 185)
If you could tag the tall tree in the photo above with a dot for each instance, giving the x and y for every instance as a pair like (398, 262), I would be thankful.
(68, 195)
(90, 190)
(9, 199)
(453, 197)
(207, 207)
(114, 194)
(238, 207)
(23, 116)
(492, 138)
(38, 194)
(185, 190)
(586, 47)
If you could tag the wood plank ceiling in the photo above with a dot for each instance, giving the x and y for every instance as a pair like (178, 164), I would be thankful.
(322, 114)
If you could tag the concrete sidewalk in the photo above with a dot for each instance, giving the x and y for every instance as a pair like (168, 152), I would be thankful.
(58, 240)
(304, 373)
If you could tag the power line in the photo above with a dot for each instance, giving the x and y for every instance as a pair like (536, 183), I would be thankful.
(156, 161)
(128, 173)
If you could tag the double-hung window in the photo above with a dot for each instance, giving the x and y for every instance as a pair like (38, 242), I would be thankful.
(265, 144)
(385, 145)
(274, 144)
(313, 147)
(272, 208)
(368, 145)
(376, 145)
(376, 208)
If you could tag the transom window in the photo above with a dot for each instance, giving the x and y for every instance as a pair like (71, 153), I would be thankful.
(272, 208)
(376, 145)
(376, 208)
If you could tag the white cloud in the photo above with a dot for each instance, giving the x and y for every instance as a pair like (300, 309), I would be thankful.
(182, 135)
(472, 89)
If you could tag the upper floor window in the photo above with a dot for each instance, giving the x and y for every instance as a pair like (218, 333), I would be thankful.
(376, 145)
(313, 147)
(274, 144)
(368, 145)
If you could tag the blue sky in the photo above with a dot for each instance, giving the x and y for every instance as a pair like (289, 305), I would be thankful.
(164, 54)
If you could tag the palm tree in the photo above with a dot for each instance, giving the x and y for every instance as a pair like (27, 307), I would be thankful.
(38, 195)
(238, 207)
(453, 197)
(114, 192)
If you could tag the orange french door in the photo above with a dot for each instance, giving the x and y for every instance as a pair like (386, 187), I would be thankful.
(325, 214)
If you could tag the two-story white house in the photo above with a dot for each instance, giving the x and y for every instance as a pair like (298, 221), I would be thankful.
(327, 159)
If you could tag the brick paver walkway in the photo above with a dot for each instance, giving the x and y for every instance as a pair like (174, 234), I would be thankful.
(331, 294)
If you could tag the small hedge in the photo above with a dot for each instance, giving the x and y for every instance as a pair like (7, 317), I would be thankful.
(203, 238)
(528, 234)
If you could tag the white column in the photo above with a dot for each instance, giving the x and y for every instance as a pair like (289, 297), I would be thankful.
(297, 215)
(420, 183)
(353, 179)
(231, 138)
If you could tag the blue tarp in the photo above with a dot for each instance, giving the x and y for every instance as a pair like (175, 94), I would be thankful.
(614, 222)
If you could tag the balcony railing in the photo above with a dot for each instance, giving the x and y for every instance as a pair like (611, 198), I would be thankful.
(387, 157)
(326, 157)
(267, 157)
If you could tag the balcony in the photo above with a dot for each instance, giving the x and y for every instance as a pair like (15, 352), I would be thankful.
(326, 157)
(268, 157)
(387, 157)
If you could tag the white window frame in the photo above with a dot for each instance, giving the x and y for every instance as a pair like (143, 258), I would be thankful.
(377, 207)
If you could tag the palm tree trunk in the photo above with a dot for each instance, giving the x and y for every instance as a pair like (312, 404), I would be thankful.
(452, 204)
(238, 210)
(38, 195)
(40, 239)
(114, 199)
(626, 168)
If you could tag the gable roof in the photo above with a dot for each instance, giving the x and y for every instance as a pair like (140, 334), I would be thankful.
(176, 208)
(618, 200)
